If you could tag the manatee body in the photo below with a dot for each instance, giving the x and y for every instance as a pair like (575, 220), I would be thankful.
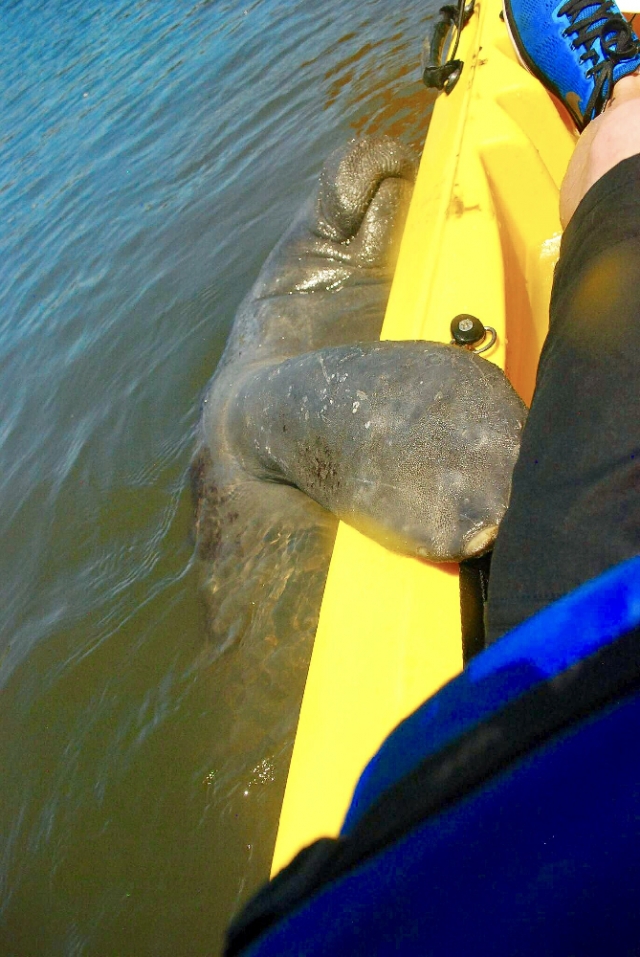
(325, 285)
(412, 442)
(309, 418)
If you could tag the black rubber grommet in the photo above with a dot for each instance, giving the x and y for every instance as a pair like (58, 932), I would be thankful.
(467, 330)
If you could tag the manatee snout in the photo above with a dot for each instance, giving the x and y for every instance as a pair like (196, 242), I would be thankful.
(478, 521)
(467, 533)
(442, 526)
(482, 512)
(479, 541)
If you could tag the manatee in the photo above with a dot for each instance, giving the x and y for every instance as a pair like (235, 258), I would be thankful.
(413, 443)
(309, 418)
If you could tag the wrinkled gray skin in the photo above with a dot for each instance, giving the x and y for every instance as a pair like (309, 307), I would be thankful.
(324, 285)
(309, 419)
(412, 442)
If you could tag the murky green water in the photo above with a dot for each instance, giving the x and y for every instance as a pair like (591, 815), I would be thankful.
(152, 153)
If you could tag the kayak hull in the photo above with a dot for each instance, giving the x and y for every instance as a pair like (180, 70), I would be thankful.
(482, 237)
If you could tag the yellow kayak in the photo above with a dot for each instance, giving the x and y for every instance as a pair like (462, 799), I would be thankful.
(482, 237)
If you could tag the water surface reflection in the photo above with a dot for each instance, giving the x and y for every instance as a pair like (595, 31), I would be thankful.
(152, 154)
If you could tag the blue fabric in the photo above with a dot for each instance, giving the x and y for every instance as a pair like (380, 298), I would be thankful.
(556, 638)
(543, 860)
(546, 37)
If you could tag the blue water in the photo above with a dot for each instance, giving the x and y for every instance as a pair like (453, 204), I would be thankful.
(151, 155)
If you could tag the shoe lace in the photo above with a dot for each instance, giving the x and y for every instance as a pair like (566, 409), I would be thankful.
(617, 42)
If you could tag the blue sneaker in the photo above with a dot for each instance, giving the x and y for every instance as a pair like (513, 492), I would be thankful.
(577, 48)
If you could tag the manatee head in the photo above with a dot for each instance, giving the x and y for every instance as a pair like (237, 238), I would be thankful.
(413, 443)
(432, 477)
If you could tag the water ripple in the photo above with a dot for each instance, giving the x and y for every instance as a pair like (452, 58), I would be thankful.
(153, 152)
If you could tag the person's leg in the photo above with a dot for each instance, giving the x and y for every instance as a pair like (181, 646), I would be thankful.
(607, 140)
(575, 505)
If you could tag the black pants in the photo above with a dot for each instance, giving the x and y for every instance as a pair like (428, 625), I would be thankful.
(575, 505)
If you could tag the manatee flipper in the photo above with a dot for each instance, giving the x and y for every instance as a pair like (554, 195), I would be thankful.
(413, 443)
(350, 231)
(350, 178)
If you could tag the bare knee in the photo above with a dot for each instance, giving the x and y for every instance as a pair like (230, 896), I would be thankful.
(609, 138)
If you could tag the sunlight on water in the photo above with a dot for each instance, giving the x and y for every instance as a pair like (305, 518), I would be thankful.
(153, 152)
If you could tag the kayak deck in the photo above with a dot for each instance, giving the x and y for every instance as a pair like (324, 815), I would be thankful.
(482, 237)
